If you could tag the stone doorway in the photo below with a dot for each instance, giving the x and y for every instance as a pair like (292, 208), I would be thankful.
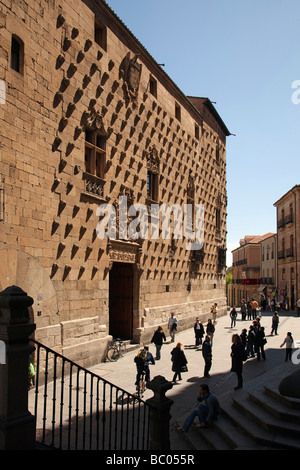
(121, 300)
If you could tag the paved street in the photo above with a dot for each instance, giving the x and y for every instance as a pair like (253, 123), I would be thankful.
(122, 372)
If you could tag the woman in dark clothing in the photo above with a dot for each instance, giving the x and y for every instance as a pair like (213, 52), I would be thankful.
(210, 329)
(244, 337)
(237, 357)
(179, 361)
(199, 332)
(250, 341)
(158, 339)
(259, 343)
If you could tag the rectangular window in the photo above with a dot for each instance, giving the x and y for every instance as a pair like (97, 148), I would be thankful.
(197, 133)
(153, 86)
(95, 154)
(100, 34)
(218, 153)
(152, 185)
(178, 112)
(218, 219)
(17, 54)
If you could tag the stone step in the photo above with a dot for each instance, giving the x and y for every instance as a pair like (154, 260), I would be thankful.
(232, 434)
(272, 390)
(275, 406)
(252, 424)
(204, 439)
(263, 417)
(213, 438)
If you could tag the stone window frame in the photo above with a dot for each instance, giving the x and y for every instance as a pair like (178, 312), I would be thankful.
(100, 34)
(95, 153)
(153, 175)
(17, 54)
(177, 112)
(190, 197)
(153, 86)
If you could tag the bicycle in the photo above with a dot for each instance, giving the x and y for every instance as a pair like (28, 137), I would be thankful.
(141, 386)
(115, 350)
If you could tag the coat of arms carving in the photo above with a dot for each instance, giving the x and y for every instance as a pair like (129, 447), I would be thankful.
(131, 70)
(94, 122)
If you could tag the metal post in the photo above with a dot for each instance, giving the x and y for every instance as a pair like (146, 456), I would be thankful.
(159, 414)
(17, 425)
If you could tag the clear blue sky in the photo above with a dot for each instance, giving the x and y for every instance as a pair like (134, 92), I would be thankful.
(245, 56)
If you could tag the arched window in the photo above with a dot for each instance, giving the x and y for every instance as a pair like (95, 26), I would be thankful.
(17, 54)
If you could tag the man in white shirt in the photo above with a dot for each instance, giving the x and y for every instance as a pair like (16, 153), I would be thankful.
(172, 325)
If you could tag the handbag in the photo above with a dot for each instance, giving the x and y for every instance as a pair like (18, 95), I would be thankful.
(184, 369)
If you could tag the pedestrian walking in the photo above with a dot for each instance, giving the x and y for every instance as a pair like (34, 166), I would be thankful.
(259, 343)
(158, 338)
(199, 332)
(172, 325)
(237, 358)
(233, 315)
(243, 337)
(143, 359)
(31, 374)
(179, 362)
(250, 341)
(249, 310)
(210, 330)
(244, 309)
(254, 305)
(256, 325)
(288, 342)
(207, 355)
(214, 312)
(275, 323)
(207, 412)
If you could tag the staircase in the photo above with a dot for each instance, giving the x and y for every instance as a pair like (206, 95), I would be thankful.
(254, 418)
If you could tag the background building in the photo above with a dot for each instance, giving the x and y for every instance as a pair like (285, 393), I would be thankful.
(246, 270)
(90, 116)
(268, 270)
(288, 245)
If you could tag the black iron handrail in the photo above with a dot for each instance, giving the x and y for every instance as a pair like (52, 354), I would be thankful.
(80, 410)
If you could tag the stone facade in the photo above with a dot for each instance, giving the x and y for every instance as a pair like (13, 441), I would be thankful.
(288, 246)
(268, 269)
(89, 116)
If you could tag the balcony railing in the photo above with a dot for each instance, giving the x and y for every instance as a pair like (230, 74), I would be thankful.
(289, 252)
(280, 223)
(267, 280)
(94, 186)
(289, 219)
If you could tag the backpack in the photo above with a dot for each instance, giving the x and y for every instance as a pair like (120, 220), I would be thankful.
(142, 355)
